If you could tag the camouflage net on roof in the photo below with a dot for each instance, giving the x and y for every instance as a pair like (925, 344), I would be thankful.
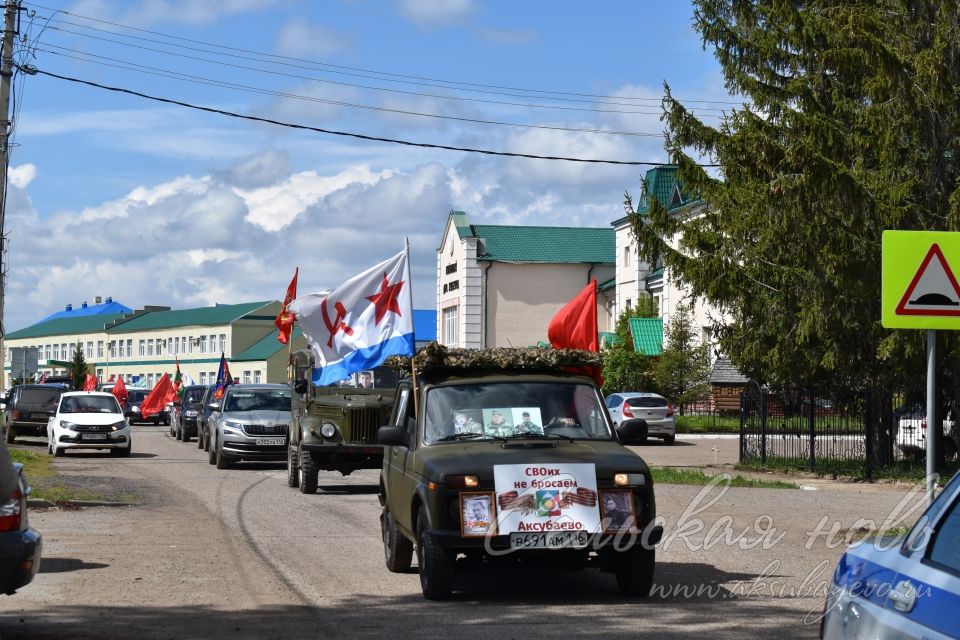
(437, 356)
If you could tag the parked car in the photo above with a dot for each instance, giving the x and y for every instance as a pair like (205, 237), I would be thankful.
(912, 431)
(185, 412)
(206, 408)
(135, 398)
(250, 422)
(20, 546)
(89, 420)
(887, 589)
(654, 409)
(28, 409)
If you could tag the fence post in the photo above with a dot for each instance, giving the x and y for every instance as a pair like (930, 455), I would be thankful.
(811, 423)
(743, 423)
(763, 427)
(870, 431)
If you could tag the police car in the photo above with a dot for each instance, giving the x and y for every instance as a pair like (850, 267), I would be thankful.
(902, 589)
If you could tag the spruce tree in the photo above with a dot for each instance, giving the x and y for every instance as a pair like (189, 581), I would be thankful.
(78, 367)
(849, 127)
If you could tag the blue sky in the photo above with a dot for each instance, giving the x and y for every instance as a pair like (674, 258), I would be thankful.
(154, 204)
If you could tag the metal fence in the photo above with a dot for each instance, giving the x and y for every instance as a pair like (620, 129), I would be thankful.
(857, 432)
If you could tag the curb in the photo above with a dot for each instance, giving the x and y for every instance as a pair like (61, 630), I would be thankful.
(36, 502)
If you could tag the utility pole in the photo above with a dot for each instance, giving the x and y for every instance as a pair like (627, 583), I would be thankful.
(11, 10)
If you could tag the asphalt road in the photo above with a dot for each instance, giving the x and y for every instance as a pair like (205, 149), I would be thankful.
(237, 554)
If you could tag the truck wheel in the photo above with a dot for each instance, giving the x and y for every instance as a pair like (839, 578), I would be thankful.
(635, 571)
(212, 452)
(11, 434)
(436, 568)
(307, 473)
(223, 462)
(397, 550)
(293, 471)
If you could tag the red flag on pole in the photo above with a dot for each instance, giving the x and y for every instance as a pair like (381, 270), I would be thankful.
(91, 382)
(575, 326)
(120, 391)
(284, 320)
(158, 397)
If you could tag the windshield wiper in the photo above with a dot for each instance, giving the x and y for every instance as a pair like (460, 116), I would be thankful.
(463, 436)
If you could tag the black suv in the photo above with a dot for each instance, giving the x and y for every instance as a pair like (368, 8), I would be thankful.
(131, 409)
(28, 408)
(186, 412)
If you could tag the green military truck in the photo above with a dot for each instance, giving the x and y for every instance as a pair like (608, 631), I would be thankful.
(333, 428)
(506, 457)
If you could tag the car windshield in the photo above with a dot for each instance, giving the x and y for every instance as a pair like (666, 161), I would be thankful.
(89, 404)
(646, 402)
(259, 400)
(193, 395)
(136, 396)
(40, 397)
(514, 410)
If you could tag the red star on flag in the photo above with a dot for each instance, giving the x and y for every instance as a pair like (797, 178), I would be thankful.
(386, 299)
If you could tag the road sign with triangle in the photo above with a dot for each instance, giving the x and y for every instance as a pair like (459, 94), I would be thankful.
(920, 290)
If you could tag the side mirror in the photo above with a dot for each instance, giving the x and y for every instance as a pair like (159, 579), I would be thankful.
(632, 430)
(50, 414)
(214, 405)
(391, 435)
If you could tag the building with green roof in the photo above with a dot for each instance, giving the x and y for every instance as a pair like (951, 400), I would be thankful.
(149, 342)
(500, 285)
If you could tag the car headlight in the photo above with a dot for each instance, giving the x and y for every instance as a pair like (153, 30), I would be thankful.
(328, 430)
(191, 414)
(116, 426)
(69, 426)
(135, 407)
(629, 479)
(232, 427)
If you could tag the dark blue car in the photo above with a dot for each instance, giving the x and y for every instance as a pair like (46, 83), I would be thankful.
(20, 546)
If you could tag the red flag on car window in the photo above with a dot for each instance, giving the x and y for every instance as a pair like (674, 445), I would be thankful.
(158, 397)
(284, 319)
(575, 326)
(90, 384)
(120, 391)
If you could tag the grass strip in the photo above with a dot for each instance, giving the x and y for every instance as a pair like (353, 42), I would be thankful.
(670, 475)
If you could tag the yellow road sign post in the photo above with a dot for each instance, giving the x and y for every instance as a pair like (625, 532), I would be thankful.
(920, 290)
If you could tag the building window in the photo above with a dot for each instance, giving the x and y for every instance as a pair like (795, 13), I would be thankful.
(149, 381)
(203, 344)
(626, 255)
(450, 326)
(189, 344)
(213, 344)
(256, 377)
(246, 377)
(63, 351)
(99, 374)
(73, 349)
(223, 343)
(149, 346)
(56, 352)
(130, 348)
(143, 348)
(99, 349)
(176, 345)
(656, 305)
(203, 377)
(90, 349)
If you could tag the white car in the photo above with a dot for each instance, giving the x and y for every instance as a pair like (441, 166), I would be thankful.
(655, 409)
(912, 432)
(88, 420)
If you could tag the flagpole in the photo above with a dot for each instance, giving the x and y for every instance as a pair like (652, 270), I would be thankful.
(413, 358)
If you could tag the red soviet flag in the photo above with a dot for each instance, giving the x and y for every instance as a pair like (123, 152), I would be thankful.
(284, 319)
(90, 384)
(119, 391)
(158, 397)
(575, 326)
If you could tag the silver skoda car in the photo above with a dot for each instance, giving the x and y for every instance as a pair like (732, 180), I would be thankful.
(249, 422)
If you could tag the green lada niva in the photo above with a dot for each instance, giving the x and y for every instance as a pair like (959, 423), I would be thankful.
(495, 465)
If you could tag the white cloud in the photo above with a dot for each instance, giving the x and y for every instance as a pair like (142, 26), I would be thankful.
(436, 13)
(150, 12)
(298, 38)
(21, 176)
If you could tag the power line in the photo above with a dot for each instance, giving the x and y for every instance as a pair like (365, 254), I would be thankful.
(132, 66)
(360, 136)
(165, 52)
(480, 87)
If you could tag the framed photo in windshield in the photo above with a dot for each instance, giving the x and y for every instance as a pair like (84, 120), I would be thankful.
(476, 514)
(498, 422)
(527, 420)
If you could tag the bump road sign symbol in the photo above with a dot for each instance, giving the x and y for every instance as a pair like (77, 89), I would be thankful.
(934, 290)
